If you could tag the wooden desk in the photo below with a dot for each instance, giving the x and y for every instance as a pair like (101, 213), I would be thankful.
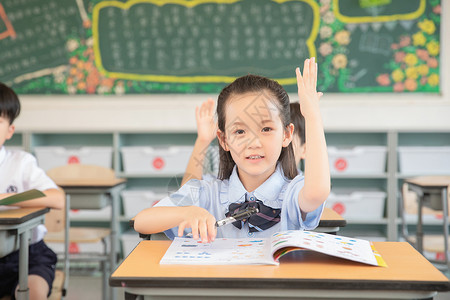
(330, 221)
(303, 275)
(22, 221)
(91, 193)
(428, 185)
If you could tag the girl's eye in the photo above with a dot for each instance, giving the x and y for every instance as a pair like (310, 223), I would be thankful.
(266, 129)
(239, 131)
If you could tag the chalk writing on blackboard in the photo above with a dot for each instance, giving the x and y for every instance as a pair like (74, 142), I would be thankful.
(203, 40)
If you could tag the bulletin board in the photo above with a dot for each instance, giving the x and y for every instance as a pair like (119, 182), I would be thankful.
(199, 46)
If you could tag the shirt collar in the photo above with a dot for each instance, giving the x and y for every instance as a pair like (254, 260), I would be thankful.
(2, 154)
(236, 190)
(268, 191)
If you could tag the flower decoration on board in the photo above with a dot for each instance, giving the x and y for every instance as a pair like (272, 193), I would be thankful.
(333, 39)
(415, 63)
(414, 66)
(83, 76)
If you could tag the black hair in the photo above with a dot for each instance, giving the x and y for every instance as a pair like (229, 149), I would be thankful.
(255, 83)
(9, 103)
(299, 121)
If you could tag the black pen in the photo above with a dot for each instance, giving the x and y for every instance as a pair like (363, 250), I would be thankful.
(238, 216)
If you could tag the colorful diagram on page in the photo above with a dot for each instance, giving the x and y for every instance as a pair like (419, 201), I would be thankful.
(221, 251)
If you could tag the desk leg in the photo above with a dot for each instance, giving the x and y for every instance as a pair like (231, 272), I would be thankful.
(114, 240)
(419, 228)
(445, 220)
(23, 292)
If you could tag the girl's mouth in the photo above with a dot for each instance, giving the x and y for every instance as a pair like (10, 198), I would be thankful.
(255, 157)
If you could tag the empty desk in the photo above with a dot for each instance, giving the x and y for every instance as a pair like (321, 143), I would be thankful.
(427, 187)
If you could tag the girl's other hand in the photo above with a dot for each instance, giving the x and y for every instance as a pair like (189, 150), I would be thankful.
(307, 85)
(206, 125)
(201, 222)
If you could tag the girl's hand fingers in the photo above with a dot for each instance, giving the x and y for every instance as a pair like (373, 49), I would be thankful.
(203, 232)
(315, 75)
(197, 113)
(212, 230)
(312, 72)
(204, 109)
(181, 228)
(320, 94)
(211, 106)
(194, 227)
(300, 84)
(306, 71)
(210, 102)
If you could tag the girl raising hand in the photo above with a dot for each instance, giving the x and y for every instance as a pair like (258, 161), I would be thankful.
(257, 167)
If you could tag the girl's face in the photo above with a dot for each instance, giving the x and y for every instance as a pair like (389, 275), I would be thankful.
(254, 135)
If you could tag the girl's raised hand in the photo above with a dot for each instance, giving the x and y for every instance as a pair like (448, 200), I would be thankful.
(201, 222)
(206, 125)
(307, 84)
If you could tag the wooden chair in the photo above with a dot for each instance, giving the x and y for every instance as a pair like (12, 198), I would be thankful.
(56, 222)
(79, 173)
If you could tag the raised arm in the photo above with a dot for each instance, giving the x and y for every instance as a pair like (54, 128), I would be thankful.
(206, 132)
(317, 170)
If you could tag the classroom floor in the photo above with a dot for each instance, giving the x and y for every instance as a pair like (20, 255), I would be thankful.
(88, 287)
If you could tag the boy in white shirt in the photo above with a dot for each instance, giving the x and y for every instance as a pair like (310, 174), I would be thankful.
(19, 172)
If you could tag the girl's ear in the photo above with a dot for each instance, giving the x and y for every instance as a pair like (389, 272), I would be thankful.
(222, 140)
(10, 133)
(288, 135)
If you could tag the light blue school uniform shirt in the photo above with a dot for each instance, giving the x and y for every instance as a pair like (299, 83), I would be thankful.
(216, 195)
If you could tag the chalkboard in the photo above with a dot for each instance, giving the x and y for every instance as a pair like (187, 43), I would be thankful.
(198, 46)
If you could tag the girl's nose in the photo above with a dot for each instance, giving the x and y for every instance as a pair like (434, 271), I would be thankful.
(254, 142)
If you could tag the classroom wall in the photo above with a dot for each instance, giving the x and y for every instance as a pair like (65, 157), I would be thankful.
(175, 113)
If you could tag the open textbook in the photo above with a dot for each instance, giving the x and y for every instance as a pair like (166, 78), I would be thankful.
(246, 251)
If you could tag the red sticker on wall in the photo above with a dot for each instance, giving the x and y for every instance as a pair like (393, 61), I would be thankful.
(73, 248)
(158, 163)
(339, 208)
(73, 160)
(340, 164)
(440, 256)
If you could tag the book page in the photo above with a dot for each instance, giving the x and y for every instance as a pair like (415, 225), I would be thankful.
(344, 247)
(222, 251)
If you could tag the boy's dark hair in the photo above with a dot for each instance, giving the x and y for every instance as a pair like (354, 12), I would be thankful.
(299, 121)
(255, 83)
(9, 103)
